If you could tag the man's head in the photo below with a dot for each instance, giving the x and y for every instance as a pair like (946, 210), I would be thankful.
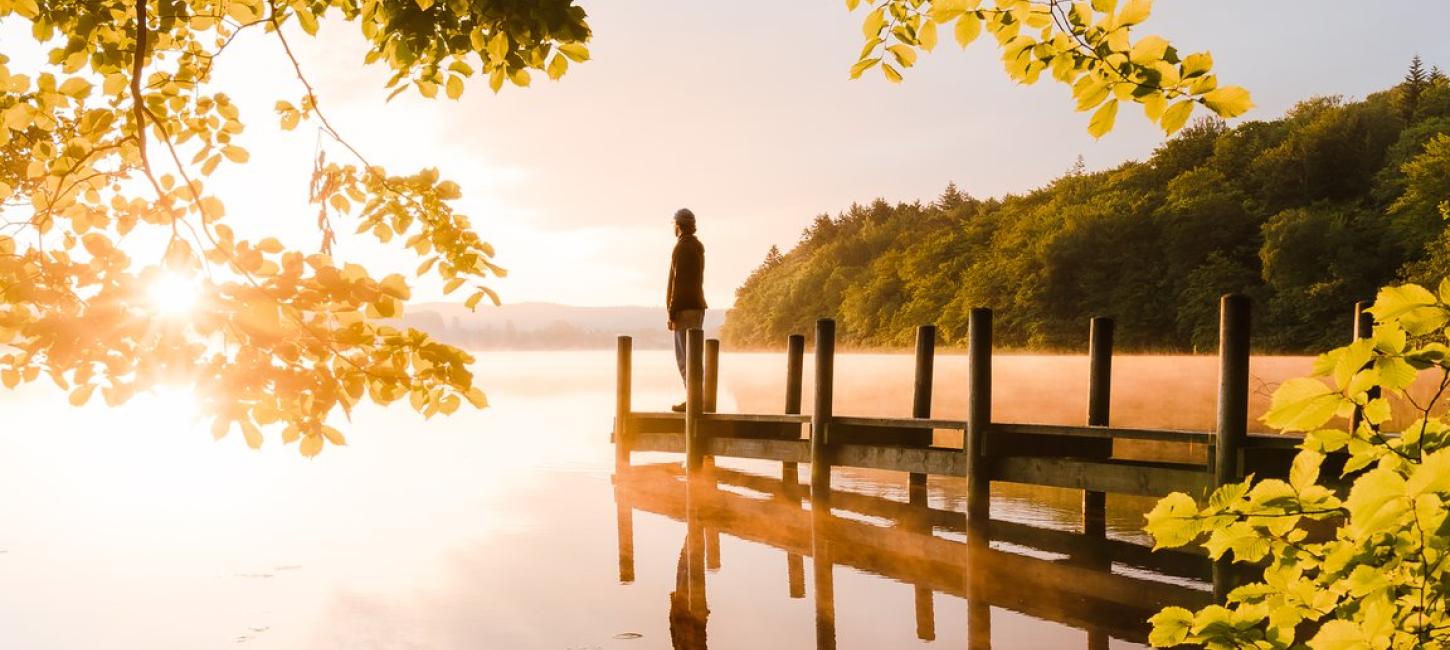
(684, 222)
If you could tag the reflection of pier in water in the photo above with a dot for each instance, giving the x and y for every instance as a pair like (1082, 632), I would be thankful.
(1046, 574)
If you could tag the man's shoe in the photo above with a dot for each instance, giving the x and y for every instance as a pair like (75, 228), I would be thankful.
(678, 408)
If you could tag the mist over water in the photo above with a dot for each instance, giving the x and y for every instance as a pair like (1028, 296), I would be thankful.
(492, 528)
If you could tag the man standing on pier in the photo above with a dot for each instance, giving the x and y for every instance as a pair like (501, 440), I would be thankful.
(685, 296)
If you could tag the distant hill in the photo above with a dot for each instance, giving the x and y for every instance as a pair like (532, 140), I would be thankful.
(547, 326)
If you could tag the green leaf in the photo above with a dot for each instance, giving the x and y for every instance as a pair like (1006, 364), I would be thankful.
(1172, 522)
(1170, 627)
(1302, 404)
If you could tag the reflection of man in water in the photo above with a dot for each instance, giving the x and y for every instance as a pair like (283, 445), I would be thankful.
(687, 628)
(685, 296)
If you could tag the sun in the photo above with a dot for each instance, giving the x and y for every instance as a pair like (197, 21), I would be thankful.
(172, 294)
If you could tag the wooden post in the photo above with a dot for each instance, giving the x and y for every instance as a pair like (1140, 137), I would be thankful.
(622, 386)
(1363, 329)
(921, 400)
(916, 482)
(712, 374)
(821, 417)
(795, 352)
(979, 413)
(1233, 387)
(1233, 410)
(694, 400)
(1100, 382)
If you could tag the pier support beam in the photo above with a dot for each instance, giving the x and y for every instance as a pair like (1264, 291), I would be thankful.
(1363, 329)
(623, 378)
(921, 398)
(1233, 409)
(795, 350)
(712, 374)
(979, 413)
(821, 417)
(694, 400)
(1100, 386)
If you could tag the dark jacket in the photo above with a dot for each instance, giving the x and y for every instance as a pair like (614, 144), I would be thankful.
(687, 276)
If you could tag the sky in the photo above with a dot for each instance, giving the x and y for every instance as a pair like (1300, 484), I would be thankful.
(743, 112)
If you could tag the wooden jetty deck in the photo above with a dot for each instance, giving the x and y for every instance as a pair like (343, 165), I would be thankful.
(1070, 580)
(1073, 457)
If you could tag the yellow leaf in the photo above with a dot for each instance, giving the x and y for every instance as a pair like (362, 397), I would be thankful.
(558, 66)
(424, 4)
(251, 434)
(1134, 12)
(969, 27)
(455, 86)
(311, 445)
(1176, 116)
(235, 154)
(1102, 120)
(333, 436)
(891, 74)
(76, 87)
(575, 51)
(1197, 64)
(904, 54)
(1228, 101)
(1148, 49)
(82, 394)
(874, 22)
(476, 398)
(927, 35)
(26, 8)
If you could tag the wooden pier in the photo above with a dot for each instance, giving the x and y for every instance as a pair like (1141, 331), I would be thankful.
(1078, 457)
(1075, 457)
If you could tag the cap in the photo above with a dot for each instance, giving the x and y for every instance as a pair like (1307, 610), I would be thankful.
(683, 215)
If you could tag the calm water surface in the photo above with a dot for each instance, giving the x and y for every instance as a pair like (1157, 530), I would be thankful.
(503, 528)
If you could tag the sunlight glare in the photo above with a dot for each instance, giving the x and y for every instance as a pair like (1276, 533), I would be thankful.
(172, 294)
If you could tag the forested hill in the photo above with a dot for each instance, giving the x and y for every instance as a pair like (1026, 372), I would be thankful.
(1307, 214)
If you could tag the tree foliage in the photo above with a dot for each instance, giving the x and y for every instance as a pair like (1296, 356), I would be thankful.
(1380, 579)
(111, 142)
(1307, 213)
(1090, 46)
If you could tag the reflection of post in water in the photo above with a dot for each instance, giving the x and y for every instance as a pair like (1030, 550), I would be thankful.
(825, 579)
(794, 363)
(624, 518)
(688, 609)
(979, 611)
(916, 483)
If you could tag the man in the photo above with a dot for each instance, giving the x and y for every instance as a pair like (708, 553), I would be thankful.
(685, 296)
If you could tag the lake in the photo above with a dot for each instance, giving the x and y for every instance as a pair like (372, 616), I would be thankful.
(132, 528)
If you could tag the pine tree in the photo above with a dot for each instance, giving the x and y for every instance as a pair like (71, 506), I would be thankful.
(1412, 87)
(1437, 77)
(772, 257)
(950, 198)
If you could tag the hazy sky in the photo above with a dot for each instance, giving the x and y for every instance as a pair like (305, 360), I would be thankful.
(743, 112)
